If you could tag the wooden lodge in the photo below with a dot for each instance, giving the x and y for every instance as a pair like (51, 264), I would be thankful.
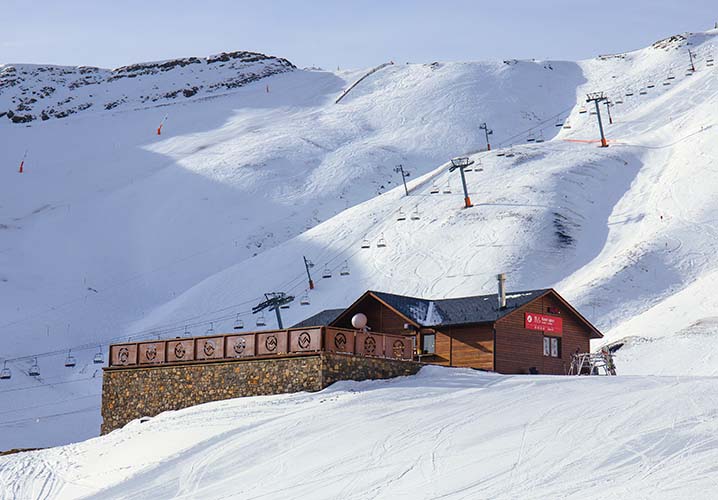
(534, 331)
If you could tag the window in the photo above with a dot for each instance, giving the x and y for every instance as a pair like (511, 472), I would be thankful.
(552, 347)
(428, 343)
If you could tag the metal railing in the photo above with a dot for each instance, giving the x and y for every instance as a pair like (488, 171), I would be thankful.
(293, 341)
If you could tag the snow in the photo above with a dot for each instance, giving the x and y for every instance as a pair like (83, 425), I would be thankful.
(191, 227)
(445, 433)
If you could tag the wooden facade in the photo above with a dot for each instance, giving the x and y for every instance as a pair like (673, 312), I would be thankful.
(502, 344)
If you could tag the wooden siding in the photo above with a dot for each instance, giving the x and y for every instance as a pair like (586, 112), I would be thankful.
(467, 346)
(518, 349)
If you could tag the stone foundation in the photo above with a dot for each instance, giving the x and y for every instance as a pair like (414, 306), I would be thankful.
(130, 393)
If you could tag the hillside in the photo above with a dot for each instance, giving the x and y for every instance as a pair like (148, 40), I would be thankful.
(114, 231)
(445, 433)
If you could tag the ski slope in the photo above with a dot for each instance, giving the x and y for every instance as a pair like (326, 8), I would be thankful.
(115, 232)
(444, 433)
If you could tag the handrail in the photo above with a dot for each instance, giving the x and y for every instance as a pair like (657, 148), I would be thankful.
(268, 343)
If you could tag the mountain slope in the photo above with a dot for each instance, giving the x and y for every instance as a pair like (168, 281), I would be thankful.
(445, 433)
(113, 231)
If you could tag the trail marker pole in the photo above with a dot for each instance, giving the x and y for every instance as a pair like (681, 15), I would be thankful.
(488, 132)
(22, 163)
(597, 97)
(462, 163)
(404, 175)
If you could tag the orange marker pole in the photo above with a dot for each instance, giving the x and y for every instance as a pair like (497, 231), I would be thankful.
(22, 163)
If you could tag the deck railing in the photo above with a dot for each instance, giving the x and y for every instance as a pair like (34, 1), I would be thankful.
(294, 341)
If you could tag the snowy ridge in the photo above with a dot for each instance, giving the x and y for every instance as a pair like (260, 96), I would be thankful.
(30, 92)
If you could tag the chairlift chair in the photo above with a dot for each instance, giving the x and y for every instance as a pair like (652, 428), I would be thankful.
(401, 215)
(238, 323)
(327, 273)
(434, 189)
(447, 189)
(651, 85)
(531, 137)
(540, 137)
(210, 330)
(559, 122)
(261, 321)
(593, 112)
(618, 100)
(666, 83)
(284, 306)
(629, 93)
(34, 370)
(99, 357)
(304, 299)
(365, 244)
(344, 271)
(709, 61)
(642, 92)
(382, 242)
(671, 76)
(70, 360)
(5, 373)
(415, 214)
(566, 125)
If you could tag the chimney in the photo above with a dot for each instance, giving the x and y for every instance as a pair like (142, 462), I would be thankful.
(502, 290)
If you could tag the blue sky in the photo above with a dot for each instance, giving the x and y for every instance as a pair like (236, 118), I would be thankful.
(353, 34)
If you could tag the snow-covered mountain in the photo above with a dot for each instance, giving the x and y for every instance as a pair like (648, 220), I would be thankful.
(114, 231)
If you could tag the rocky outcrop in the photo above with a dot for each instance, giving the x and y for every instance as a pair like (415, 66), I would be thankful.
(44, 92)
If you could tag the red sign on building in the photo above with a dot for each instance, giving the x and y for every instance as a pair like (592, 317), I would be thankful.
(543, 322)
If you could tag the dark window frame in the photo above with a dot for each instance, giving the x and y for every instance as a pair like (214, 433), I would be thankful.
(423, 343)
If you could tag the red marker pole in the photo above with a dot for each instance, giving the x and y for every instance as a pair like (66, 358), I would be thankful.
(159, 129)
(22, 163)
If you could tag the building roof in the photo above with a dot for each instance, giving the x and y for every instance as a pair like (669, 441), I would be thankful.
(322, 318)
(458, 311)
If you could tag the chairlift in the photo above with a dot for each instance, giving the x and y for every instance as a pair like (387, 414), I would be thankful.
(629, 93)
(501, 153)
(210, 330)
(618, 100)
(671, 76)
(238, 323)
(531, 137)
(434, 189)
(304, 299)
(559, 122)
(401, 215)
(651, 85)
(709, 61)
(540, 137)
(34, 370)
(99, 358)
(415, 214)
(327, 273)
(666, 83)
(344, 271)
(642, 91)
(382, 242)
(365, 244)
(689, 72)
(5, 373)
(284, 306)
(593, 112)
(70, 360)
(261, 321)
(447, 189)
(186, 332)
(566, 125)
(582, 110)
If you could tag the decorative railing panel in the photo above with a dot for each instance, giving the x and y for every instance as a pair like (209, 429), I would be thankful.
(261, 344)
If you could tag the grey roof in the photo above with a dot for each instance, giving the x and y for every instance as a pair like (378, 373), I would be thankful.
(459, 311)
(322, 318)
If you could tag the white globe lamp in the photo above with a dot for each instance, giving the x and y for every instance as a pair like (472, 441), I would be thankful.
(359, 321)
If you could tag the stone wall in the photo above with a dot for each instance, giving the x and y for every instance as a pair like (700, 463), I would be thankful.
(130, 393)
